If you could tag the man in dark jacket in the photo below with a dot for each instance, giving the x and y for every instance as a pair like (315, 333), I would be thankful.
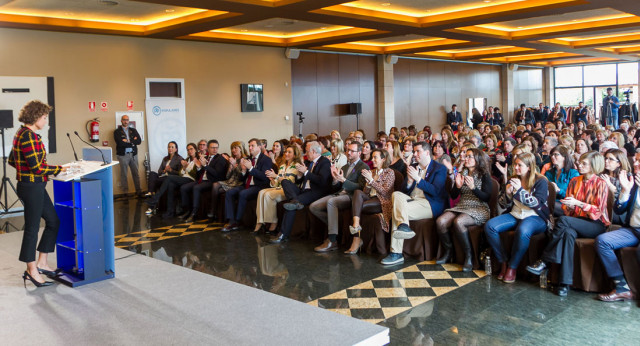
(315, 182)
(454, 118)
(214, 168)
(127, 141)
(255, 179)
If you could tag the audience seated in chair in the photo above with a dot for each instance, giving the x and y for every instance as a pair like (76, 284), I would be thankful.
(233, 176)
(170, 165)
(346, 180)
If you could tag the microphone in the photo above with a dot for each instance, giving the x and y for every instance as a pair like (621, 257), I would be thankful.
(72, 148)
(104, 161)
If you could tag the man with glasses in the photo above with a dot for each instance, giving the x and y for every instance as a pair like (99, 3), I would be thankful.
(345, 181)
(627, 236)
(423, 197)
(215, 169)
(127, 141)
(359, 136)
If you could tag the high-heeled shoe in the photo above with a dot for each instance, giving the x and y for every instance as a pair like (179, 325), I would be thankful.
(355, 252)
(49, 273)
(26, 276)
(355, 230)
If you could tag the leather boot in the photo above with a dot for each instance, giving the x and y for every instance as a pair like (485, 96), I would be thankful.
(510, 276)
(467, 266)
(503, 270)
(445, 241)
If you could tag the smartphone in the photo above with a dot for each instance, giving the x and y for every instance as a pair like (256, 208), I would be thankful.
(455, 171)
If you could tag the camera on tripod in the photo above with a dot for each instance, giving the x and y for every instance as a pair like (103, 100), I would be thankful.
(300, 117)
(627, 92)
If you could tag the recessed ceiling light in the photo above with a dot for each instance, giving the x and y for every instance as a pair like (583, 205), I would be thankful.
(519, 27)
(385, 4)
(244, 30)
(134, 19)
(169, 10)
(323, 28)
(269, 26)
(487, 1)
(108, 2)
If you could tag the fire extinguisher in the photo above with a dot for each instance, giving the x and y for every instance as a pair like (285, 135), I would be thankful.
(93, 130)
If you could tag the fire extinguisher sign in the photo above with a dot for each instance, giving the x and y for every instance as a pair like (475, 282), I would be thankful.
(104, 106)
(92, 106)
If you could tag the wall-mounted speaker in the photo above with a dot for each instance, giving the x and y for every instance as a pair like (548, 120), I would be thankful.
(391, 59)
(6, 119)
(512, 67)
(355, 108)
(292, 53)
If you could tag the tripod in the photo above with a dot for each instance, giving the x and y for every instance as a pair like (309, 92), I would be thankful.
(3, 186)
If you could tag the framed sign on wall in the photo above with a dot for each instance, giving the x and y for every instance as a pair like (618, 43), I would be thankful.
(251, 98)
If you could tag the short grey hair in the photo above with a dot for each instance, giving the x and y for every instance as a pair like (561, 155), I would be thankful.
(316, 147)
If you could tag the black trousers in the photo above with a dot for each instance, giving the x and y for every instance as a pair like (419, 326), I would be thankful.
(154, 181)
(196, 189)
(293, 192)
(37, 205)
(562, 240)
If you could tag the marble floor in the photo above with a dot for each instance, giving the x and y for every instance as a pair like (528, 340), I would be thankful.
(478, 311)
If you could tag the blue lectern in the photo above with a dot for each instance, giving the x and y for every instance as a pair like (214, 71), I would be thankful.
(84, 203)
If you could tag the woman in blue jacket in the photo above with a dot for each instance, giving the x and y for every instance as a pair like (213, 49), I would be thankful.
(561, 172)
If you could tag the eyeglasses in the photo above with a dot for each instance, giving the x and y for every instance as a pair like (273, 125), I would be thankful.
(352, 151)
(611, 159)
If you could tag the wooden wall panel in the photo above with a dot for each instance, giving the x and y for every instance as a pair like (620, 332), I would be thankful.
(323, 85)
(446, 83)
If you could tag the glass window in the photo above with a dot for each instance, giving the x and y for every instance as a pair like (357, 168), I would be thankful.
(588, 97)
(568, 76)
(628, 73)
(569, 96)
(600, 74)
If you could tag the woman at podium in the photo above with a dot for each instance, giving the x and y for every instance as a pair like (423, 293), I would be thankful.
(29, 158)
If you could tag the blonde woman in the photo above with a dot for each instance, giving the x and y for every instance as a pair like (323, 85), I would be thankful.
(528, 216)
(234, 175)
(269, 198)
(338, 158)
(335, 134)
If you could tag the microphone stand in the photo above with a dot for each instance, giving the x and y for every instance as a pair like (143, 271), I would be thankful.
(72, 147)
(104, 161)
(3, 186)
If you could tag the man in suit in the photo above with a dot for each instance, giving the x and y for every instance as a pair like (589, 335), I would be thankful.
(255, 179)
(524, 116)
(214, 168)
(315, 182)
(581, 113)
(424, 197)
(541, 114)
(127, 141)
(345, 181)
(454, 118)
(611, 102)
(627, 236)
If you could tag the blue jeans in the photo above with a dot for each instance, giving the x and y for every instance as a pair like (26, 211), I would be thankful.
(607, 243)
(525, 229)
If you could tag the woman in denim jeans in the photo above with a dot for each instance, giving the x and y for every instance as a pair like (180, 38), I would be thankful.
(529, 214)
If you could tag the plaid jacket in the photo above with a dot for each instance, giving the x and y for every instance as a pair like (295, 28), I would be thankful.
(29, 157)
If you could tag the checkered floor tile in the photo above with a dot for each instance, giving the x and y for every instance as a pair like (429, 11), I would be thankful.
(394, 293)
(162, 233)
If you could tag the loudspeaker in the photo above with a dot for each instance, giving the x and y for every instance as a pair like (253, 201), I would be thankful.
(512, 67)
(355, 108)
(391, 59)
(6, 119)
(292, 53)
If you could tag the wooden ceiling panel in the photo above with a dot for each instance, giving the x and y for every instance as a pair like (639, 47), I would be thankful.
(537, 32)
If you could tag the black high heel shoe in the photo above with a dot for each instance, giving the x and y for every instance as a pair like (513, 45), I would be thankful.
(49, 273)
(26, 276)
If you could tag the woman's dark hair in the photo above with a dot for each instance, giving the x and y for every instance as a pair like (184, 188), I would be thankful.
(568, 158)
(439, 144)
(372, 145)
(482, 161)
(194, 147)
(384, 155)
(32, 111)
(176, 144)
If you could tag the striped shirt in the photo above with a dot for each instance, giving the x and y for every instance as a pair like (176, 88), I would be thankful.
(29, 157)
(594, 192)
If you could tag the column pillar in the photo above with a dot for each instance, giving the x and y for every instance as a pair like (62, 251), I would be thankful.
(548, 93)
(508, 93)
(386, 111)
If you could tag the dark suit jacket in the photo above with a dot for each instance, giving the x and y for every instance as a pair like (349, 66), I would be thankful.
(454, 118)
(355, 180)
(134, 140)
(541, 115)
(216, 170)
(622, 207)
(526, 116)
(263, 164)
(319, 177)
(175, 164)
(433, 187)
